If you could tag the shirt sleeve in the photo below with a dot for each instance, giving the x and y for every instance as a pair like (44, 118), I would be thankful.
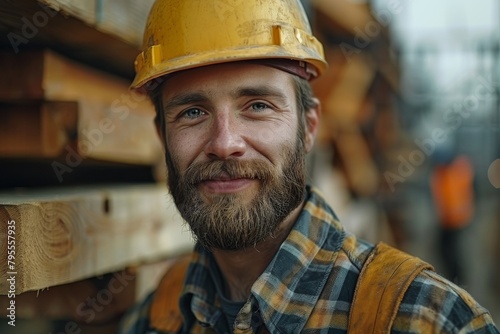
(433, 304)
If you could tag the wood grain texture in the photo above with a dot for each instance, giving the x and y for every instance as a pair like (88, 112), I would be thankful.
(63, 33)
(122, 18)
(74, 28)
(350, 15)
(37, 129)
(114, 124)
(64, 236)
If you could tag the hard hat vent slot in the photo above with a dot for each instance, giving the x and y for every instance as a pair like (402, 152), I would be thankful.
(298, 35)
(277, 35)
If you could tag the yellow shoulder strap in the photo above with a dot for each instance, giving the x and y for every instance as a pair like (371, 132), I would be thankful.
(382, 283)
(164, 314)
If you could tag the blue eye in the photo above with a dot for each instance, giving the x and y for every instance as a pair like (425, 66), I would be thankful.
(193, 113)
(259, 106)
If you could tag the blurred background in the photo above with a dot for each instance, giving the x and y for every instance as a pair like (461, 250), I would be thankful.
(412, 130)
(408, 152)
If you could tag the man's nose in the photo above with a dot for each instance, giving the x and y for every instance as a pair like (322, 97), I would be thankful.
(226, 139)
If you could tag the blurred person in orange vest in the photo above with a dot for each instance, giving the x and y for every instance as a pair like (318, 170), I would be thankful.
(452, 185)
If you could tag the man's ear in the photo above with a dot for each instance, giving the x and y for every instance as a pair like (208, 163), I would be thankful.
(312, 124)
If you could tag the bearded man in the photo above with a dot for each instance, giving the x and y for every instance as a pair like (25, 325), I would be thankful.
(236, 116)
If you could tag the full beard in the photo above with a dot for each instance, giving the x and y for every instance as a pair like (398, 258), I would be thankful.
(225, 221)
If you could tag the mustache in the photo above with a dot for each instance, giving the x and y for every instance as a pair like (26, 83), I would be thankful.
(232, 168)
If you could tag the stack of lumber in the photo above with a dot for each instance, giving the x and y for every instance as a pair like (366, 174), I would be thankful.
(78, 158)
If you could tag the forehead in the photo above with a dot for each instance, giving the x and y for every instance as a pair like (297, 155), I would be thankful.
(224, 78)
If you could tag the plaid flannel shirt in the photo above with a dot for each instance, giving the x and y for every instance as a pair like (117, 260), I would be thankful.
(309, 287)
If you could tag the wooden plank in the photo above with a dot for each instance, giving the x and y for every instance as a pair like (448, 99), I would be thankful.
(344, 91)
(27, 24)
(82, 10)
(94, 305)
(122, 18)
(66, 235)
(37, 130)
(125, 18)
(97, 301)
(114, 124)
(360, 170)
(92, 301)
(348, 14)
(44, 74)
(345, 99)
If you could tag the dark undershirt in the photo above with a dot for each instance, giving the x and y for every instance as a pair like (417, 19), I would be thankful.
(229, 308)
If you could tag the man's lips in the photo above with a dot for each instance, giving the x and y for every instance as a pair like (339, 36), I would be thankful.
(226, 184)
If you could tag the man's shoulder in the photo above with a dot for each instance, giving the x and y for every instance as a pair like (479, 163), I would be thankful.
(433, 303)
(354, 251)
(432, 300)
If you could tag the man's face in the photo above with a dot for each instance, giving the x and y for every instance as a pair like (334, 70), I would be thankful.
(234, 154)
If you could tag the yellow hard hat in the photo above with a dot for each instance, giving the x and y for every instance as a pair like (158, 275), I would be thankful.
(183, 34)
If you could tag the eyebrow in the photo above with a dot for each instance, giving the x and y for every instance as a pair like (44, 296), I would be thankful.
(183, 99)
(258, 91)
(200, 96)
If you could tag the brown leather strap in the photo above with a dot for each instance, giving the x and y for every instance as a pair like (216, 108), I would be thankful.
(164, 314)
(383, 281)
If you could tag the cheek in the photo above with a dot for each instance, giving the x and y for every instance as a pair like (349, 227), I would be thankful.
(178, 148)
(264, 135)
(273, 141)
(184, 147)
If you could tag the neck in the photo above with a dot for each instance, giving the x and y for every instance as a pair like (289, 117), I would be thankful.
(241, 268)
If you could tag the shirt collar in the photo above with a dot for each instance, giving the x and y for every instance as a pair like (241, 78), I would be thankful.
(288, 290)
